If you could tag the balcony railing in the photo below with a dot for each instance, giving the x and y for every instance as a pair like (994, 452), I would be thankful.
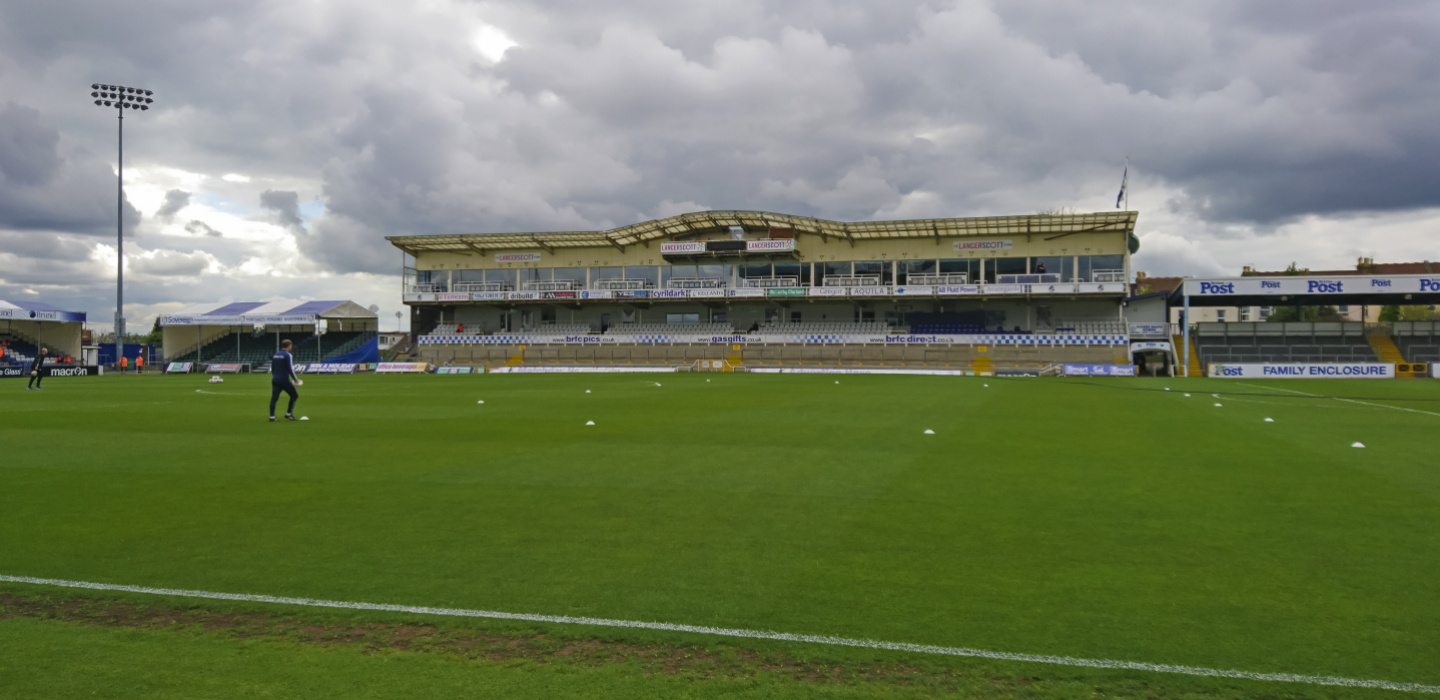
(1107, 275)
(852, 281)
(428, 288)
(551, 286)
(937, 280)
(696, 283)
(623, 285)
(766, 282)
(1038, 278)
(482, 287)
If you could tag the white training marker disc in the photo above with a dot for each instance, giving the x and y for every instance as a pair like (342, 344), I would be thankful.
(589, 422)
(587, 391)
(707, 380)
(1217, 405)
(1187, 396)
(1269, 420)
(657, 383)
(1167, 388)
(987, 386)
(929, 432)
(304, 417)
(479, 402)
(1357, 445)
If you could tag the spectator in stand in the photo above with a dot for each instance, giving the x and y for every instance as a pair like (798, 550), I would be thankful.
(1040, 268)
(460, 329)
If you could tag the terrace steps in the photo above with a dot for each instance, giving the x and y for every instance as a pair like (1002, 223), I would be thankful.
(1385, 349)
(1193, 369)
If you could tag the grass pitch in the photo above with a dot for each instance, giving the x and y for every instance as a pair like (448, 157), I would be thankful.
(1103, 518)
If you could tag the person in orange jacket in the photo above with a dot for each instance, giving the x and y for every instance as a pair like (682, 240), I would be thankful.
(124, 363)
(139, 363)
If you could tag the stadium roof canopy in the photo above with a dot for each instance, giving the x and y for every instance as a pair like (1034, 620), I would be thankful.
(716, 221)
(283, 311)
(38, 311)
(1308, 290)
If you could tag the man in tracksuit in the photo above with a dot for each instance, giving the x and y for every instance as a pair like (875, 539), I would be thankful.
(282, 378)
(37, 368)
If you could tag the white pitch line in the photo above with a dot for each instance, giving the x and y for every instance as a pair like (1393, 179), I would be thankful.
(1337, 398)
(752, 634)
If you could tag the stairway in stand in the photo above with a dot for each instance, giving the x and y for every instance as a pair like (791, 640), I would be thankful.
(1194, 369)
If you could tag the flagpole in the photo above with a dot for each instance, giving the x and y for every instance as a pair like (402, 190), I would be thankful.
(1127, 183)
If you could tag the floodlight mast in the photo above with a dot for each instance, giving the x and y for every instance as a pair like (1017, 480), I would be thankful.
(123, 98)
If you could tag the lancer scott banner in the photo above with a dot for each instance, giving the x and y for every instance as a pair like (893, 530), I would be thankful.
(1290, 370)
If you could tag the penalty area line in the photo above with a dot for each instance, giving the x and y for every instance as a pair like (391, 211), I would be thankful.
(751, 634)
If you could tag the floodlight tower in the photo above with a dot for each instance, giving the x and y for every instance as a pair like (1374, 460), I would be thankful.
(121, 98)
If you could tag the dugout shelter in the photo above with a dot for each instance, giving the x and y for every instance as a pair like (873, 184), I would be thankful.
(25, 326)
(248, 333)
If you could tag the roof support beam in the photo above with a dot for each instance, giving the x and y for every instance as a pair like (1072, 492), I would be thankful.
(1084, 230)
(541, 243)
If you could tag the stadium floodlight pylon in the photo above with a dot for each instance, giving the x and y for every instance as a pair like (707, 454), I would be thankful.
(121, 98)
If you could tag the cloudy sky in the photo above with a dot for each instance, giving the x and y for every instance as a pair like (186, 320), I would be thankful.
(289, 137)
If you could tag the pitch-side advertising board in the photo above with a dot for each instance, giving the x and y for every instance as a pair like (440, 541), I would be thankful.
(1099, 370)
(401, 367)
(1290, 370)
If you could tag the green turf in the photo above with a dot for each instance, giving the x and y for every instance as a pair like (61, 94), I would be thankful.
(1080, 518)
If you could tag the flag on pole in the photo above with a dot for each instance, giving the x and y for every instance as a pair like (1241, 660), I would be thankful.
(1124, 182)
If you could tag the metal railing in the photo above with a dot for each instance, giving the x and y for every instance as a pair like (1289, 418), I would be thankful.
(853, 281)
(696, 283)
(765, 282)
(937, 280)
(623, 284)
(551, 286)
(1107, 275)
(428, 288)
(482, 287)
(1036, 278)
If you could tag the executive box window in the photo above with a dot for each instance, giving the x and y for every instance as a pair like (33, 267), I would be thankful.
(875, 268)
(1005, 266)
(575, 275)
(751, 271)
(650, 274)
(915, 267)
(505, 277)
(796, 270)
(968, 266)
(1063, 265)
(682, 318)
(1112, 264)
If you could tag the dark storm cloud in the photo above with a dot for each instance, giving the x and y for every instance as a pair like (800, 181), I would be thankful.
(200, 228)
(175, 200)
(605, 114)
(285, 205)
(40, 189)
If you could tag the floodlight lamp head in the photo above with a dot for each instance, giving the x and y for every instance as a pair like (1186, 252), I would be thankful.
(97, 102)
(107, 103)
(148, 93)
(94, 94)
(94, 86)
(143, 107)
